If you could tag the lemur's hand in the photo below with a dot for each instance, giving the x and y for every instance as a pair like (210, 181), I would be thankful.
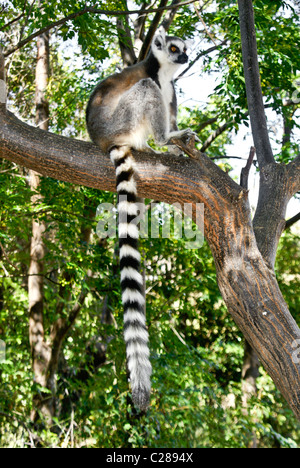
(190, 135)
(185, 135)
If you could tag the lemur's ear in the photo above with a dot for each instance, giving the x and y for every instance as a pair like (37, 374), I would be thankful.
(189, 43)
(160, 38)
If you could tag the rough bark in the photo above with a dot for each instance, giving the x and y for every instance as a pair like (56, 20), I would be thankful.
(274, 192)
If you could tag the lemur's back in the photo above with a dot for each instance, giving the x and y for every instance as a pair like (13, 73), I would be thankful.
(105, 99)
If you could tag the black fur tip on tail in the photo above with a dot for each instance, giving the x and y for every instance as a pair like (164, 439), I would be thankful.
(141, 399)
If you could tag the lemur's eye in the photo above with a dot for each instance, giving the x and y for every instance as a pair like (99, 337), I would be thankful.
(173, 49)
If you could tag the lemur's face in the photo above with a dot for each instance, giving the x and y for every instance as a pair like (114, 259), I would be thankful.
(176, 49)
(170, 50)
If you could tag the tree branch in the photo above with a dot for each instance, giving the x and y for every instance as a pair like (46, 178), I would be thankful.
(204, 25)
(14, 20)
(294, 173)
(201, 54)
(2, 66)
(3, 91)
(125, 42)
(219, 130)
(139, 25)
(206, 123)
(151, 31)
(169, 16)
(83, 163)
(290, 222)
(246, 169)
(215, 135)
(253, 85)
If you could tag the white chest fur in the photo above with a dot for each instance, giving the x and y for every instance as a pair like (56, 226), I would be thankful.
(167, 90)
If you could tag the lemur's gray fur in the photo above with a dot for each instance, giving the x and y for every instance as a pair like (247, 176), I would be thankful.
(123, 111)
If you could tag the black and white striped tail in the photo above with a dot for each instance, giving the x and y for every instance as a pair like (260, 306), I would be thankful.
(135, 331)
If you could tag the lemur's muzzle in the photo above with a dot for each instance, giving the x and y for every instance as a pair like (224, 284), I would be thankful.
(183, 58)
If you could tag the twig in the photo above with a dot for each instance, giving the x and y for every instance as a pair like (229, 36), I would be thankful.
(215, 135)
(201, 54)
(245, 171)
(11, 22)
(204, 24)
(227, 157)
(26, 19)
(188, 147)
(14, 20)
(290, 222)
(178, 336)
(151, 31)
(168, 18)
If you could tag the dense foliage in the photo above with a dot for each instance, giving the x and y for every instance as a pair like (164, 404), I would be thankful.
(196, 349)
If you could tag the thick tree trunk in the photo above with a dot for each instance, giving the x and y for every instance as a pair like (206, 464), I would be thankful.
(253, 298)
(275, 189)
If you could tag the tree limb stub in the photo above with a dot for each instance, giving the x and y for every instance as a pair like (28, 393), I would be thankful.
(248, 285)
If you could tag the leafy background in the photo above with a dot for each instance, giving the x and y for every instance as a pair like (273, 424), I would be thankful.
(196, 349)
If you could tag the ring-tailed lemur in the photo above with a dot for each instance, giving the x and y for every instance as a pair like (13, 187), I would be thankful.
(123, 111)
